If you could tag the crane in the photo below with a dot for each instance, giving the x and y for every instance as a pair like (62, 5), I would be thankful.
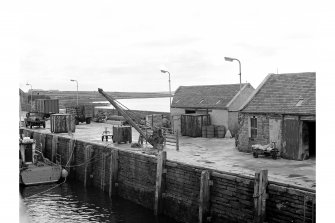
(156, 139)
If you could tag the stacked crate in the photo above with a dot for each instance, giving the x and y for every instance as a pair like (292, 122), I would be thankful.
(71, 110)
(62, 123)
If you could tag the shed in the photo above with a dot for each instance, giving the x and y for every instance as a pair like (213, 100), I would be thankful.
(281, 110)
(220, 102)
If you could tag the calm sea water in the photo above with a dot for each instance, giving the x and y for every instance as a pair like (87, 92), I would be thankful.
(71, 202)
(146, 104)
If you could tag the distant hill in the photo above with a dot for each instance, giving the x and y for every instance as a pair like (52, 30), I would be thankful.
(70, 97)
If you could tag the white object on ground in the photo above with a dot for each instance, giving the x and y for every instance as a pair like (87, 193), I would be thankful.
(228, 134)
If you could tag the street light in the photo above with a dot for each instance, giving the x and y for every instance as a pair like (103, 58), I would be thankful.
(230, 59)
(77, 89)
(165, 71)
(31, 96)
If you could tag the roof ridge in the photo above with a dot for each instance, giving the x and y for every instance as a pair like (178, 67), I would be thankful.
(295, 73)
(256, 91)
(213, 85)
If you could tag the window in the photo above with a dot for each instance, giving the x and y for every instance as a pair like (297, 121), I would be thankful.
(300, 102)
(253, 127)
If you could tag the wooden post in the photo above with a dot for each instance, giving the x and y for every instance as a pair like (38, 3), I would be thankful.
(204, 196)
(42, 140)
(260, 184)
(87, 157)
(54, 144)
(70, 153)
(158, 192)
(113, 172)
(177, 140)
(103, 172)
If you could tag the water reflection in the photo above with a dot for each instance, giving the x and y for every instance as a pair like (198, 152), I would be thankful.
(71, 202)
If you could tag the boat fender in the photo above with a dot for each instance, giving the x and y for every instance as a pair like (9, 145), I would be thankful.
(64, 173)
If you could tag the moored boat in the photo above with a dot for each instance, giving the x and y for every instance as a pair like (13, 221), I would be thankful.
(34, 167)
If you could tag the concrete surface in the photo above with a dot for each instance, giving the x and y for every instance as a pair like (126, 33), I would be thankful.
(214, 153)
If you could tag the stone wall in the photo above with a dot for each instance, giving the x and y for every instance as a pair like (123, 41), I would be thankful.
(286, 204)
(231, 196)
(244, 142)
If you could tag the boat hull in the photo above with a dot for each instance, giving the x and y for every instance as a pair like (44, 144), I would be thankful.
(40, 174)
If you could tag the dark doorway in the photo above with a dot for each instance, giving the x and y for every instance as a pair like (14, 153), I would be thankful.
(312, 138)
(309, 138)
(189, 111)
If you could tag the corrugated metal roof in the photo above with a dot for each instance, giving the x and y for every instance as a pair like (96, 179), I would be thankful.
(205, 96)
(292, 93)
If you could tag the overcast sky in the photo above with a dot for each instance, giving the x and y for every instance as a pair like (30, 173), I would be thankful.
(122, 45)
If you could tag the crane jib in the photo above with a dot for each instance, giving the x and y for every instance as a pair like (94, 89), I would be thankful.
(155, 139)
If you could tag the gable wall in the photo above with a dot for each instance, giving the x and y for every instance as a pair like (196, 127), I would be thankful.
(241, 98)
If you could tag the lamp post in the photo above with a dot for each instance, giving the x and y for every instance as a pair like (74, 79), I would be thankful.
(165, 71)
(230, 59)
(77, 89)
(31, 96)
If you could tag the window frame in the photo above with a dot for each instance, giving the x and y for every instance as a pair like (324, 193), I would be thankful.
(253, 127)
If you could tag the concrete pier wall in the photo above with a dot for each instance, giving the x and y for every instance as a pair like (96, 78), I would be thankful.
(231, 196)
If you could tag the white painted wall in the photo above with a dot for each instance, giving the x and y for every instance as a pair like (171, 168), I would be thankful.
(219, 117)
(176, 119)
(275, 132)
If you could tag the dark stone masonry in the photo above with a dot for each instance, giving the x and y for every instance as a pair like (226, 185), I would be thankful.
(231, 196)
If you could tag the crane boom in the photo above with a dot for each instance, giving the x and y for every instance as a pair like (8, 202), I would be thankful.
(123, 113)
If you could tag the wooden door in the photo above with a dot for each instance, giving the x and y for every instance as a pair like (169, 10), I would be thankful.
(291, 138)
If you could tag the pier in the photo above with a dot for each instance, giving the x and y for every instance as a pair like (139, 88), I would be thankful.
(179, 189)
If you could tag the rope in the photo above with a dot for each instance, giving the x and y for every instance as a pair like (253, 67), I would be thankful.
(73, 145)
(67, 166)
(46, 190)
(57, 185)
(88, 161)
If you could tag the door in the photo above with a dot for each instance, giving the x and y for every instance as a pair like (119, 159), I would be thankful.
(291, 138)
(274, 132)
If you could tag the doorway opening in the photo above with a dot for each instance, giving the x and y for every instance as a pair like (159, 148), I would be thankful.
(309, 138)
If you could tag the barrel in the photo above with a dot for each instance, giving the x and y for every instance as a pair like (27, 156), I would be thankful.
(210, 131)
(204, 131)
(221, 131)
(62, 123)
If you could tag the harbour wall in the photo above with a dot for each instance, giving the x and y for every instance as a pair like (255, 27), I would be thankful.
(182, 192)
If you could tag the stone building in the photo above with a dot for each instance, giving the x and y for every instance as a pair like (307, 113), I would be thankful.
(221, 102)
(281, 110)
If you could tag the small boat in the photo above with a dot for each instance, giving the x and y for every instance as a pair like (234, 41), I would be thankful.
(34, 167)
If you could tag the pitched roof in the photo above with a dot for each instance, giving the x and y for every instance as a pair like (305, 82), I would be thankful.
(205, 96)
(292, 93)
